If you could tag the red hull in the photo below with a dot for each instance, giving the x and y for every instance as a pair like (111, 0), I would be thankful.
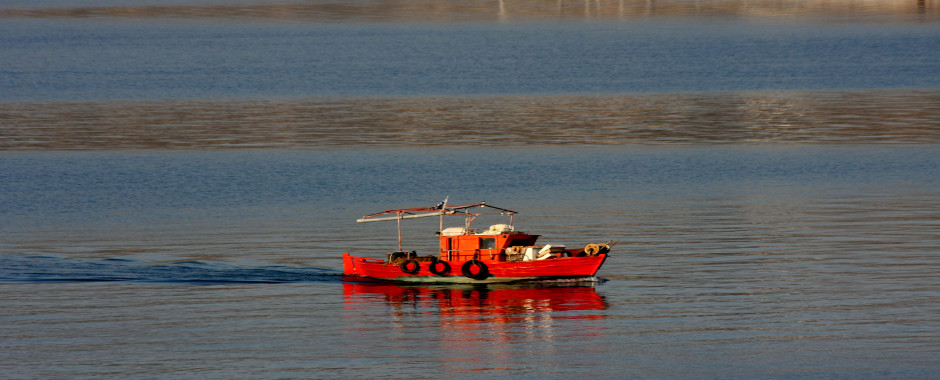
(584, 268)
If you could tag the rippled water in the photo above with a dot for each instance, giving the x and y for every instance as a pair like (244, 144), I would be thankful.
(842, 117)
(178, 181)
(755, 260)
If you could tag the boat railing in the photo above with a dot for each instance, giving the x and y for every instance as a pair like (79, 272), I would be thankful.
(471, 254)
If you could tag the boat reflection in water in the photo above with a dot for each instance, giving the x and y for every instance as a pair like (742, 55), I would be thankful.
(500, 329)
(493, 314)
(502, 299)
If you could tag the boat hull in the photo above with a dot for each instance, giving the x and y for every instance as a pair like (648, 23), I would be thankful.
(562, 268)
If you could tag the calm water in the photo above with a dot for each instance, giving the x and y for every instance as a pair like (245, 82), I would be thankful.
(178, 180)
(742, 260)
(82, 53)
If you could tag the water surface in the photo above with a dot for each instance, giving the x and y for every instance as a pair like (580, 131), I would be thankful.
(88, 59)
(178, 180)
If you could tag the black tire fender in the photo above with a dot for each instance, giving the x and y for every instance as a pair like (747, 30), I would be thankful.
(410, 267)
(482, 272)
(439, 268)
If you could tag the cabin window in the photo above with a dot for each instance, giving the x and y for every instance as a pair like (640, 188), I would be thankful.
(488, 243)
(522, 242)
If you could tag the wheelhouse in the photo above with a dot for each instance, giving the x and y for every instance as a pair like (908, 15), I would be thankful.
(499, 243)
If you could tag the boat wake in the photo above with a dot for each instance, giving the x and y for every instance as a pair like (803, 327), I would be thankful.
(37, 268)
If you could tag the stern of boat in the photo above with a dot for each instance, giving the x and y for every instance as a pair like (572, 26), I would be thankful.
(349, 265)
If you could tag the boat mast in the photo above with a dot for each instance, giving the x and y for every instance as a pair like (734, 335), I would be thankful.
(399, 231)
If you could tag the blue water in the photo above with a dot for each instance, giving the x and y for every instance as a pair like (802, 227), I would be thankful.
(768, 261)
(179, 179)
(83, 59)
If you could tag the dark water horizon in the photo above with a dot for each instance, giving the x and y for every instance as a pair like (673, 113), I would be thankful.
(83, 60)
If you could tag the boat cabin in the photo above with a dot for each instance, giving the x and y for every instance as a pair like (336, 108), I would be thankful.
(499, 243)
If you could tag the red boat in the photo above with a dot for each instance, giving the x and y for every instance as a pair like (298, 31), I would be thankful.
(498, 254)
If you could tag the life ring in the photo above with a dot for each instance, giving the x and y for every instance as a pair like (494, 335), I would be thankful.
(481, 273)
(592, 249)
(439, 267)
(596, 249)
(410, 267)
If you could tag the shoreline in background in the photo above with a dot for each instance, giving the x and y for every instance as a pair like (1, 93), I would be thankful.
(474, 10)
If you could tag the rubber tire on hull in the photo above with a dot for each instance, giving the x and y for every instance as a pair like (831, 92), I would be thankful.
(410, 267)
(482, 273)
(443, 265)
